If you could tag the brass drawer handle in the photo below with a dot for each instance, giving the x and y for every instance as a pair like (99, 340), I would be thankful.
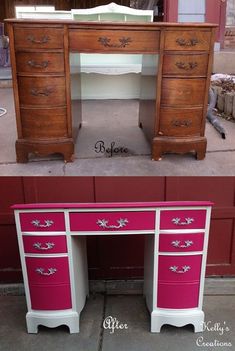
(186, 66)
(103, 223)
(34, 64)
(106, 42)
(185, 123)
(189, 42)
(45, 92)
(183, 269)
(44, 39)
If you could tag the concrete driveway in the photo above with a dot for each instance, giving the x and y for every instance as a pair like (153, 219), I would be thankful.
(114, 121)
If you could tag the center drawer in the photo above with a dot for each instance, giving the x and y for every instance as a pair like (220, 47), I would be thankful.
(179, 268)
(112, 221)
(114, 41)
(47, 270)
(45, 244)
(42, 222)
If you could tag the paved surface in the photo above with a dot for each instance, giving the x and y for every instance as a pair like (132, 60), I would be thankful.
(114, 121)
(130, 310)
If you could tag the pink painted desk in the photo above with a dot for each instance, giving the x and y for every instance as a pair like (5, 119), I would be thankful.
(52, 243)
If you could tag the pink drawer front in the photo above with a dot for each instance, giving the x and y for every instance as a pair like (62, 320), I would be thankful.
(183, 219)
(112, 221)
(50, 297)
(181, 242)
(45, 244)
(178, 296)
(42, 222)
(179, 268)
(44, 270)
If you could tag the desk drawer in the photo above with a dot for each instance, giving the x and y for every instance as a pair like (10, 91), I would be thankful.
(38, 38)
(112, 221)
(179, 268)
(180, 122)
(187, 40)
(41, 62)
(181, 242)
(183, 92)
(114, 41)
(44, 123)
(42, 222)
(50, 298)
(45, 244)
(183, 219)
(47, 91)
(47, 271)
(186, 65)
(178, 296)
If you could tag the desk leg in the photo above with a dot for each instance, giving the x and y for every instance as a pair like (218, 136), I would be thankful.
(149, 271)
(78, 272)
(52, 320)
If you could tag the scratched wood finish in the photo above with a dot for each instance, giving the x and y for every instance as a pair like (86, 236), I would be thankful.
(43, 62)
(114, 41)
(185, 65)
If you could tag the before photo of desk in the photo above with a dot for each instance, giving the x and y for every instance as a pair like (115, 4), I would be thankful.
(47, 120)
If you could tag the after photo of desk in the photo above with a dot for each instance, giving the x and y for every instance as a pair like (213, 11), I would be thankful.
(52, 243)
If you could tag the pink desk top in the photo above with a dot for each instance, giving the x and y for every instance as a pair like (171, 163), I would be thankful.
(109, 205)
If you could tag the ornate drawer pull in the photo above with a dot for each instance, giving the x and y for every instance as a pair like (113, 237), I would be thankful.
(106, 42)
(44, 39)
(47, 223)
(187, 243)
(185, 123)
(187, 221)
(186, 66)
(45, 92)
(189, 42)
(50, 271)
(34, 64)
(103, 223)
(183, 269)
(40, 247)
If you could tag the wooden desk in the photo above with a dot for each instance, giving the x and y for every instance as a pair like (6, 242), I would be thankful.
(173, 122)
(52, 243)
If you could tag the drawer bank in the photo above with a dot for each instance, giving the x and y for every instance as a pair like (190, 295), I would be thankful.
(52, 244)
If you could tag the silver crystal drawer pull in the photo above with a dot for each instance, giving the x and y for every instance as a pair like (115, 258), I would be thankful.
(103, 223)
